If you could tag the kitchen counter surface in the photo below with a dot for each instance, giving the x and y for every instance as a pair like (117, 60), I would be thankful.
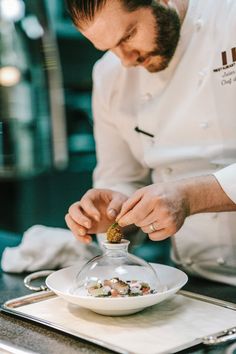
(32, 337)
(39, 339)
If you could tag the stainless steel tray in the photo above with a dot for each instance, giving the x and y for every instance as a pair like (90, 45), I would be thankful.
(15, 306)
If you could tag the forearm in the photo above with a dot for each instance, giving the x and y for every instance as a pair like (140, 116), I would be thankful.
(205, 194)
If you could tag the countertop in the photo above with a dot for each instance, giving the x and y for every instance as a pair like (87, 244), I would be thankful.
(39, 339)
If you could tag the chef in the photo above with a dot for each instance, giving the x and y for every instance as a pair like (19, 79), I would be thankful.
(164, 103)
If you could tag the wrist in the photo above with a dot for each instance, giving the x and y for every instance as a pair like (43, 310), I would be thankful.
(198, 192)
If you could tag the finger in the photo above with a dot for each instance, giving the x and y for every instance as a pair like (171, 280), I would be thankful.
(89, 208)
(128, 205)
(136, 215)
(78, 231)
(160, 235)
(153, 227)
(78, 216)
(149, 219)
(115, 206)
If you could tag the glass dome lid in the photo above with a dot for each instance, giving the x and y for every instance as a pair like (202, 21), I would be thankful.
(116, 273)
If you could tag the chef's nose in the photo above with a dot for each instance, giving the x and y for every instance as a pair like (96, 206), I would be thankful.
(127, 57)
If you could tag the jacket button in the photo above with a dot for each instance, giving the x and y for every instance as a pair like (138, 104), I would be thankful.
(202, 75)
(204, 125)
(168, 170)
(199, 24)
(147, 96)
(221, 261)
(188, 262)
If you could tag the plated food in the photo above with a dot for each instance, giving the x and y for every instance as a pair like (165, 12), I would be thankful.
(119, 288)
(171, 280)
(109, 275)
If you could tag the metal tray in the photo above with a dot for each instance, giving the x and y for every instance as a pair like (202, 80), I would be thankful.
(15, 306)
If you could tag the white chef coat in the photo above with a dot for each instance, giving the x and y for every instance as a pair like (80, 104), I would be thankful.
(190, 109)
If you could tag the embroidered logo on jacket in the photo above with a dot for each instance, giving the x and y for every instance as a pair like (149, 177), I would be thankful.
(228, 60)
(228, 68)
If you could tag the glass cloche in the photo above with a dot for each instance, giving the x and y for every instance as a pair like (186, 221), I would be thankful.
(116, 273)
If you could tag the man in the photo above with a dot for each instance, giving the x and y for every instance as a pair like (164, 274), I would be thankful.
(165, 126)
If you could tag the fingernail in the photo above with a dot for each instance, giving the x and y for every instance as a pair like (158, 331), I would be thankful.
(122, 223)
(118, 217)
(82, 232)
(87, 240)
(112, 213)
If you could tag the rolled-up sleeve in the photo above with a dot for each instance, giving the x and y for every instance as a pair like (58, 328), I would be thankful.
(227, 179)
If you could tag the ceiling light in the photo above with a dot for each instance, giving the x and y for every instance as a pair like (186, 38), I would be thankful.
(12, 10)
(9, 76)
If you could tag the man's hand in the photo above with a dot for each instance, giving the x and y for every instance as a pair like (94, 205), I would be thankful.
(160, 209)
(94, 213)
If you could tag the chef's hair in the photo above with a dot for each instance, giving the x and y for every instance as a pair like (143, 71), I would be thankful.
(83, 11)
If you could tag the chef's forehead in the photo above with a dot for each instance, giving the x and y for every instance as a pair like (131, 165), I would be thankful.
(110, 27)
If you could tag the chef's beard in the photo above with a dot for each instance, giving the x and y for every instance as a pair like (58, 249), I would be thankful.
(167, 30)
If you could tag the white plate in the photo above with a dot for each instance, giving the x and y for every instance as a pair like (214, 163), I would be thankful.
(61, 281)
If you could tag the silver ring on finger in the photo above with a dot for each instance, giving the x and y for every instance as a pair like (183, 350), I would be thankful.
(152, 227)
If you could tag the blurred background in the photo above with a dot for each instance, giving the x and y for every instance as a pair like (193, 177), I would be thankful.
(47, 149)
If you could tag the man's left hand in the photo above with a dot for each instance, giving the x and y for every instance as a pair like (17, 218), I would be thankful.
(159, 210)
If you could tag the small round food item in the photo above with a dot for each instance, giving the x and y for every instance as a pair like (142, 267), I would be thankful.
(114, 233)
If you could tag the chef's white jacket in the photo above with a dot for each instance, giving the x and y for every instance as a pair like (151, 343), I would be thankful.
(190, 109)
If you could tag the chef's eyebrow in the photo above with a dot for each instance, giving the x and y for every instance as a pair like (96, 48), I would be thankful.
(128, 30)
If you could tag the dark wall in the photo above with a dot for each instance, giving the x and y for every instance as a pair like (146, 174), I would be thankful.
(44, 199)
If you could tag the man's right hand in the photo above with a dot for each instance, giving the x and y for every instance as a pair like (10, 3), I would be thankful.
(94, 213)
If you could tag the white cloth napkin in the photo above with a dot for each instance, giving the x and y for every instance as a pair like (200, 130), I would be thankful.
(45, 247)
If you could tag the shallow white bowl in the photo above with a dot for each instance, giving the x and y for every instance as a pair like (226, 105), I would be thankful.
(61, 282)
